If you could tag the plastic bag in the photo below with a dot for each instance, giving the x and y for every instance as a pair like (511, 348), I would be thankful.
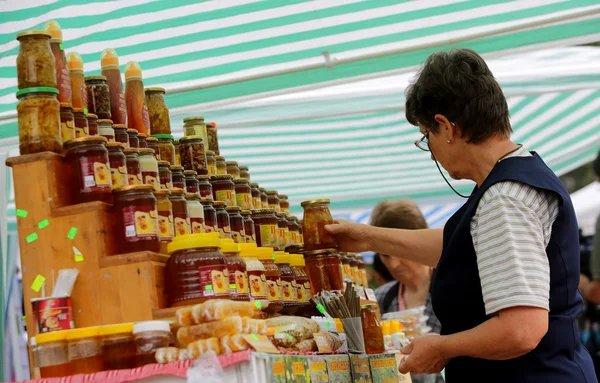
(298, 327)
(199, 347)
(227, 326)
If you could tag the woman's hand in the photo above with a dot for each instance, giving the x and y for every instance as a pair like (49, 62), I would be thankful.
(424, 356)
(351, 237)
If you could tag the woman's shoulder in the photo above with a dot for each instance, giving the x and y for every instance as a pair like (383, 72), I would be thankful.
(387, 297)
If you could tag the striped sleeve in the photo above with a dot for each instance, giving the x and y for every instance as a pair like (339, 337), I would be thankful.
(510, 239)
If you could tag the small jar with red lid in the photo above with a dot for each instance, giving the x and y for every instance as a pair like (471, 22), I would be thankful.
(191, 182)
(118, 164)
(196, 213)
(210, 215)
(192, 154)
(223, 224)
(166, 229)
(289, 293)
(137, 219)
(134, 141)
(134, 170)
(121, 134)
(244, 172)
(273, 200)
(105, 129)
(233, 169)
(256, 202)
(220, 164)
(283, 233)
(90, 169)
(81, 123)
(303, 290)
(248, 226)
(223, 189)
(204, 186)
(177, 176)
(236, 221)
(181, 218)
(67, 122)
(164, 175)
(196, 270)
(264, 199)
(265, 227)
(92, 121)
(243, 194)
(284, 204)
(153, 144)
(238, 279)
(142, 140)
(211, 163)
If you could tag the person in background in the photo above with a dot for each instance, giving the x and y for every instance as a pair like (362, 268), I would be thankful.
(381, 274)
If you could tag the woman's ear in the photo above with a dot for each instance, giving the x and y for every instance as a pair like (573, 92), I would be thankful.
(448, 129)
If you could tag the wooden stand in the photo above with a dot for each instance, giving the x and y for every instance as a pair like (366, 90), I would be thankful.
(111, 287)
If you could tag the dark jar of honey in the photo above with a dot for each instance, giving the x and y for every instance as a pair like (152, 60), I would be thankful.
(256, 202)
(134, 141)
(294, 230)
(238, 279)
(181, 217)
(243, 193)
(284, 204)
(223, 189)
(196, 270)
(164, 175)
(316, 216)
(264, 199)
(372, 331)
(142, 140)
(289, 293)
(238, 234)
(166, 229)
(192, 154)
(134, 169)
(273, 200)
(273, 275)
(324, 268)
(118, 164)
(283, 233)
(248, 226)
(244, 173)
(223, 224)
(204, 186)
(265, 227)
(303, 290)
(121, 134)
(191, 182)
(210, 215)
(177, 176)
(137, 218)
(93, 128)
(118, 346)
(232, 168)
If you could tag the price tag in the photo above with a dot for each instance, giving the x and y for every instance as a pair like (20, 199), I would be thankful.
(370, 295)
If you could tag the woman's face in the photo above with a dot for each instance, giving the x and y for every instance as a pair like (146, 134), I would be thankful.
(403, 270)
(450, 155)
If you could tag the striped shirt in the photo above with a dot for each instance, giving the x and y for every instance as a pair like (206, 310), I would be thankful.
(511, 230)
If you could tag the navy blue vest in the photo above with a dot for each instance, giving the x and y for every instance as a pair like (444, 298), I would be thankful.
(458, 301)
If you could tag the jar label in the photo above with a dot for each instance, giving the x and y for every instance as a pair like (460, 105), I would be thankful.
(300, 239)
(82, 132)
(225, 231)
(257, 284)
(250, 238)
(268, 235)
(67, 130)
(307, 291)
(177, 158)
(165, 225)
(213, 282)
(293, 237)
(227, 196)
(140, 222)
(256, 203)
(354, 275)
(197, 225)
(283, 237)
(238, 236)
(181, 224)
(238, 282)
(95, 173)
(212, 169)
(346, 271)
(146, 118)
(288, 293)
(134, 179)
(273, 288)
(299, 288)
(118, 176)
(151, 178)
(244, 200)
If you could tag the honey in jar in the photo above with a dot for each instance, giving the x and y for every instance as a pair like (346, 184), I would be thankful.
(302, 285)
(346, 267)
(238, 279)
(134, 170)
(264, 199)
(63, 80)
(166, 228)
(181, 218)
(93, 129)
(250, 236)
(118, 346)
(204, 186)
(89, 169)
(53, 354)
(164, 175)
(223, 189)
(177, 176)
(233, 169)
(149, 336)
(118, 164)
(372, 330)
(273, 275)
(288, 283)
(324, 268)
(210, 215)
(85, 350)
(35, 61)
(265, 227)
(137, 218)
(220, 164)
(316, 216)
(98, 96)
(294, 230)
(211, 163)
(256, 202)
(121, 134)
(191, 182)
(142, 140)
(135, 99)
(273, 200)
(67, 122)
(134, 141)
(238, 234)
(284, 204)
(223, 224)
(196, 212)
(257, 279)
(243, 194)
(283, 233)
(109, 62)
(244, 173)
(81, 123)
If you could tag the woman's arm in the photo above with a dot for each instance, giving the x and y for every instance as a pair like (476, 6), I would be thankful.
(421, 246)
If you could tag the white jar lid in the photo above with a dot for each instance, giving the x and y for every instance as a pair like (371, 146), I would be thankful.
(153, 325)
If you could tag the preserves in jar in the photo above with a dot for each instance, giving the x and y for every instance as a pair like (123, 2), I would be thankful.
(118, 164)
(362, 272)
(85, 350)
(135, 100)
(78, 93)
(243, 195)
(273, 200)
(109, 62)
(148, 337)
(347, 275)
(196, 270)
(53, 354)
(204, 186)
(67, 122)
(166, 228)
(273, 275)
(106, 130)
(194, 126)
(248, 226)
(255, 270)
(164, 175)
(98, 96)
(63, 81)
(211, 163)
(157, 111)
(238, 279)
(256, 202)
(177, 155)
(153, 144)
(134, 170)
(288, 283)
(142, 140)
(134, 141)
(244, 173)
(121, 134)
(324, 268)
(223, 189)
(196, 213)
(265, 227)
(283, 233)
(210, 215)
(181, 218)
(354, 277)
(81, 124)
(284, 204)
(316, 216)
(223, 224)
(35, 61)
(192, 155)
(220, 164)
(372, 331)
(191, 182)
(232, 168)
(264, 198)
(38, 113)
(236, 221)
(90, 169)
(177, 176)
(213, 139)
(149, 167)
(166, 147)
(137, 218)
(118, 347)
(92, 121)
(303, 290)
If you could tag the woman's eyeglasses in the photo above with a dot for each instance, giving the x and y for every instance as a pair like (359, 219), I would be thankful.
(423, 143)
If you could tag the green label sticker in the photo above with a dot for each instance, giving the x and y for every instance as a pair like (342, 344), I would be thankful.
(38, 283)
(61, 46)
(258, 304)
(72, 233)
(32, 237)
(328, 324)
(321, 308)
(253, 336)
(21, 213)
(85, 111)
(43, 224)
(232, 286)
(273, 256)
(208, 287)
(289, 336)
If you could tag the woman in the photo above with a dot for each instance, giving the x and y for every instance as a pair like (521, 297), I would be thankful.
(507, 262)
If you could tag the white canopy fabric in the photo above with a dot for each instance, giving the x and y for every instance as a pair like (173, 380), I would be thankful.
(586, 202)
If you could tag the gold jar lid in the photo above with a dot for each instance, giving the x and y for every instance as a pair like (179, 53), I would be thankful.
(219, 203)
(176, 167)
(128, 188)
(33, 32)
(115, 144)
(152, 139)
(243, 167)
(233, 208)
(210, 153)
(293, 218)
(130, 151)
(132, 131)
(240, 181)
(206, 200)
(154, 89)
(231, 163)
(189, 172)
(315, 201)
(119, 126)
(191, 118)
(142, 135)
(246, 212)
(103, 120)
(92, 115)
(190, 138)
(77, 110)
(162, 192)
(263, 190)
(271, 192)
(95, 78)
(203, 177)
(263, 211)
(164, 163)
(322, 251)
(281, 215)
(66, 105)
(283, 196)
(253, 185)
(146, 151)
(177, 191)
(192, 195)
(219, 177)
(86, 139)
(219, 158)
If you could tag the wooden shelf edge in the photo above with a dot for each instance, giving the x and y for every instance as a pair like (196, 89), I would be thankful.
(81, 208)
(26, 158)
(138, 257)
(166, 314)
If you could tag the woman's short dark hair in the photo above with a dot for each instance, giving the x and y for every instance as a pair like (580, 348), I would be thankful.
(459, 85)
(380, 267)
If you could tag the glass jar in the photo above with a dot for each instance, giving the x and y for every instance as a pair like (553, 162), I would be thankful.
(78, 93)
(121, 134)
(346, 274)
(273, 200)
(324, 268)
(109, 63)
(213, 139)
(137, 219)
(223, 224)
(81, 124)
(223, 189)
(38, 113)
(264, 199)
(181, 218)
(92, 121)
(250, 236)
(67, 122)
(204, 186)
(211, 163)
(303, 290)
(284, 204)
(301, 236)
(177, 176)
(177, 155)
(371, 328)
(238, 279)
(273, 275)
(35, 61)
(134, 141)
(135, 100)
(142, 140)
(164, 175)
(210, 215)
(157, 111)
(236, 222)
(149, 168)
(53, 354)
(63, 81)
(196, 270)
(118, 346)
(166, 229)
(191, 182)
(244, 173)
(288, 283)
(85, 350)
(194, 126)
(192, 155)
(34, 365)
(166, 148)
(106, 130)
(243, 195)
(354, 277)
(134, 170)
(89, 169)
(256, 202)
(255, 270)
(98, 96)
(362, 271)
(148, 337)
(265, 227)
(220, 164)
(232, 168)
(118, 164)
(196, 213)
(153, 144)
(316, 216)
(294, 230)
(283, 233)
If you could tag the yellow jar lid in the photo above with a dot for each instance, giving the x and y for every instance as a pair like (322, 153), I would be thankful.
(282, 257)
(122, 328)
(248, 250)
(315, 201)
(297, 260)
(265, 254)
(53, 336)
(228, 245)
(193, 241)
(80, 333)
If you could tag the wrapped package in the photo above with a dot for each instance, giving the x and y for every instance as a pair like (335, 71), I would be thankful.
(228, 326)
(233, 343)
(168, 354)
(306, 345)
(298, 327)
(218, 309)
(199, 347)
(284, 340)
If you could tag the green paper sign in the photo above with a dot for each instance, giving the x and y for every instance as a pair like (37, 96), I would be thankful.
(31, 237)
(43, 224)
(21, 213)
(72, 233)
(38, 282)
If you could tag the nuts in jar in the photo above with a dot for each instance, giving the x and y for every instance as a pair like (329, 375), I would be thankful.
(195, 126)
(35, 61)
(157, 111)
(192, 155)
(38, 113)
(248, 226)
(137, 218)
(166, 147)
(121, 134)
(221, 166)
(211, 163)
(210, 215)
(236, 222)
(98, 96)
(213, 139)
